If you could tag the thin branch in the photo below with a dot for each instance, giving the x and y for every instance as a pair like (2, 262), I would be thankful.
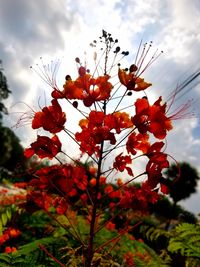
(118, 236)
(119, 142)
(78, 145)
(120, 101)
(42, 247)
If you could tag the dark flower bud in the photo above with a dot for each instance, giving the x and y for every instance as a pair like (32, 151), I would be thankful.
(133, 68)
(75, 104)
(77, 59)
(68, 78)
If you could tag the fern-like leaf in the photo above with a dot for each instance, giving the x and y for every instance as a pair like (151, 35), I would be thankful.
(152, 233)
(186, 240)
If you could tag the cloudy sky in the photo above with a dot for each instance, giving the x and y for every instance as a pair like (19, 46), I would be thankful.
(62, 29)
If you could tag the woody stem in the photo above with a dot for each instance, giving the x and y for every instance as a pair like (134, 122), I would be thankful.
(90, 250)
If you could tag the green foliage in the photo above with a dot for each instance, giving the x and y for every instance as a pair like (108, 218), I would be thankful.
(11, 150)
(6, 213)
(146, 256)
(32, 255)
(107, 253)
(9, 260)
(74, 258)
(35, 226)
(192, 262)
(186, 240)
(153, 234)
(182, 243)
(4, 91)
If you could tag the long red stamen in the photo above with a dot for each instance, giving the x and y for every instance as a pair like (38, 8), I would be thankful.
(48, 72)
(183, 111)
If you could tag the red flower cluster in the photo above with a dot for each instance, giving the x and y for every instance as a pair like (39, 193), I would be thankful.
(9, 233)
(99, 127)
(8, 199)
(85, 88)
(129, 259)
(138, 198)
(9, 196)
(62, 179)
(66, 185)
(10, 249)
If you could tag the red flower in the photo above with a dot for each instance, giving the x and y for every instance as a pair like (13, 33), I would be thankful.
(154, 148)
(20, 184)
(137, 142)
(44, 147)
(99, 127)
(61, 179)
(60, 204)
(87, 143)
(111, 192)
(102, 180)
(152, 118)
(138, 198)
(118, 121)
(9, 233)
(157, 162)
(54, 178)
(51, 118)
(10, 249)
(129, 259)
(159, 122)
(86, 88)
(108, 189)
(110, 226)
(131, 81)
(13, 233)
(71, 90)
(84, 198)
(80, 178)
(93, 181)
(121, 162)
(95, 129)
(42, 199)
(99, 89)
(4, 238)
(164, 188)
(140, 120)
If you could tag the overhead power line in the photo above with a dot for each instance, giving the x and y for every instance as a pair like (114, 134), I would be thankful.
(184, 85)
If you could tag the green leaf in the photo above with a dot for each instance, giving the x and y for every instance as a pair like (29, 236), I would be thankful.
(9, 214)
(1, 228)
(4, 219)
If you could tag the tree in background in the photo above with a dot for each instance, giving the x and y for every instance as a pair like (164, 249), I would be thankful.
(4, 92)
(183, 181)
(11, 151)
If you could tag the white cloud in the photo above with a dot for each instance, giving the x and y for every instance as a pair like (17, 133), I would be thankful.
(182, 144)
(180, 35)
